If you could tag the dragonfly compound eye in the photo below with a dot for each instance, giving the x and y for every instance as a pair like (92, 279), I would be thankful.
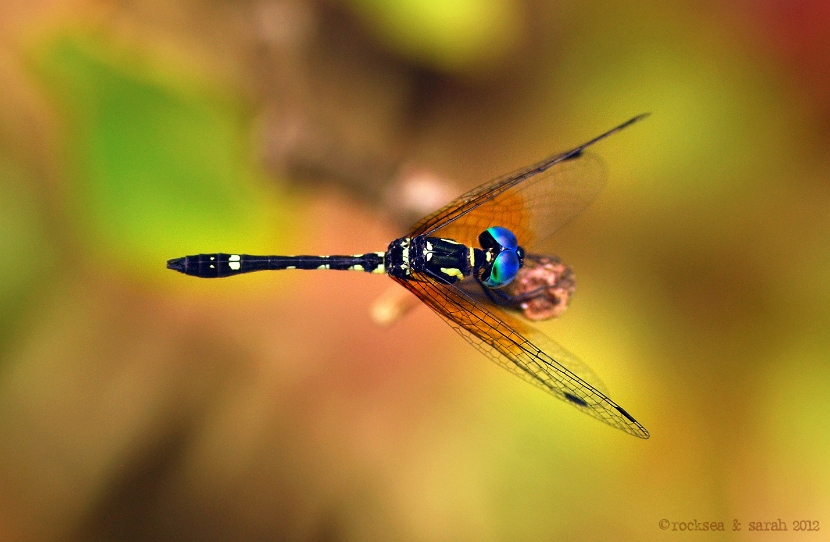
(503, 269)
(498, 238)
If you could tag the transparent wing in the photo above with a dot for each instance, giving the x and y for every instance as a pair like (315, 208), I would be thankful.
(473, 291)
(504, 339)
(558, 353)
(533, 202)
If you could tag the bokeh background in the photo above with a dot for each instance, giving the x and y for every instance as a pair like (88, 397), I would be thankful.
(140, 404)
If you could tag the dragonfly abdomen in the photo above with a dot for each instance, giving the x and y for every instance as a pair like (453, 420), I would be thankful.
(225, 265)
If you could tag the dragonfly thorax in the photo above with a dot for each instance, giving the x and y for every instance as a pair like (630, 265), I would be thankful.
(443, 259)
(495, 264)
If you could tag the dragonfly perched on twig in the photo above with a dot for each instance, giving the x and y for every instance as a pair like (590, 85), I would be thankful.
(460, 260)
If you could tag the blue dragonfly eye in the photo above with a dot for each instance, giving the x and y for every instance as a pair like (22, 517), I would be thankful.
(503, 270)
(499, 238)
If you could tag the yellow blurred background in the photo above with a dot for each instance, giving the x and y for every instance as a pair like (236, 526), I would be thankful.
(140, 404)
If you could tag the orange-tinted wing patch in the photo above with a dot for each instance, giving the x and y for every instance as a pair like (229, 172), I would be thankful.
(533, 202)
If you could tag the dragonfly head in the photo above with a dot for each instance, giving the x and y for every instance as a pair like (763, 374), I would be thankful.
(503, 257)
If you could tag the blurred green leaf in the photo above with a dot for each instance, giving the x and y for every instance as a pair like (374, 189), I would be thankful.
(162, 165)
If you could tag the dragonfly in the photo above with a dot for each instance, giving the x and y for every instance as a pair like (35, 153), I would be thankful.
(461, 260)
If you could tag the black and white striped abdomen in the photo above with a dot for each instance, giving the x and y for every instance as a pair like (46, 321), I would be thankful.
(225, 265)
